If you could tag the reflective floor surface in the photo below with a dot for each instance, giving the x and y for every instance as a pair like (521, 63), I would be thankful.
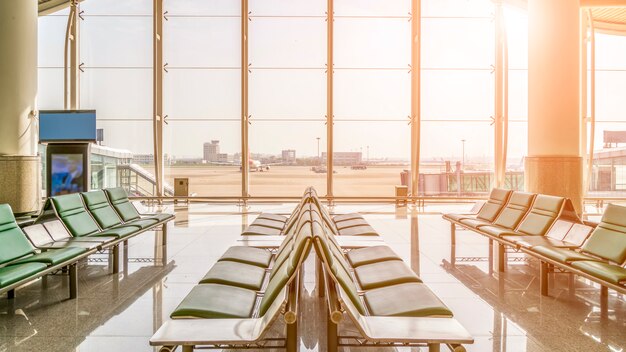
(121, 312)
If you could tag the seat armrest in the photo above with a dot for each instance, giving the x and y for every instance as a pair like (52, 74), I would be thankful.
(593, 224)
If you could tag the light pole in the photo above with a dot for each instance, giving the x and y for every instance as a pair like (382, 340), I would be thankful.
(368, 153)
(463, 155)
(318, 151)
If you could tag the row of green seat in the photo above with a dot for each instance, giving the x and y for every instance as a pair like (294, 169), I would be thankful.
(376, 282)
(551, 231)
(82, 224)
(247, 285)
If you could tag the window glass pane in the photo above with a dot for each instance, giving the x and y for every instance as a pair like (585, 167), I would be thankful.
(51, 40)
(372, 43)
(372, 8)
(611, 51)
(202, 42)
(290, 149)
(202, 7)
(50, 89)
(116, 41)
(205, 152)
(287, 7)
(611, 94)
(518, 94)
(287, 42)
(457, 43)
(287, 94)
(457, 8)
(372, 94)
(202, 94)
(117, 93)
(457, 95)
(516, 23)
(117, 7)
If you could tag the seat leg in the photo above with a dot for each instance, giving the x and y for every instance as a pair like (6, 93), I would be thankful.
(434, 347)
(73, 275)
(11, 294)
(164, 234)
(604, 301)
(115, 252)
(543, 278)
(331, 335)
(187, 348)
(501, 258)
(490, 256)
(452, 244)
(292, 337)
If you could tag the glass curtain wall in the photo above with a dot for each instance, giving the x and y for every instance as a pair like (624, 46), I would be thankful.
(287, 96)
(457, 102)
(608, 176)
(372, 96)
(202, 95)
(116, 81)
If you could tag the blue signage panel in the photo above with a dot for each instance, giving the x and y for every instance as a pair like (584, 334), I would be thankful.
(67, 125)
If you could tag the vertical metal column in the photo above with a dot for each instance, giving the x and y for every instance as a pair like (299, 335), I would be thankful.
(245, 148)
(71, 78)
(416, 42)
(329, 98)
(584, 39)
(499, 100)
(157, 93)
(592, 97)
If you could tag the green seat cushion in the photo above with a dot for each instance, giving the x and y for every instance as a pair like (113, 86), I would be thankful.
(277, 283)
(54, 257)
(74, 215)
(13, 242)
(497, 231)
(345, 217)
(459, 217)
(608, 272)
(268, 223)
(14, 273)
(235, 274)
(159, 217)
(492, 208)
(561, 254)
(405, 300)
(254, 230)
(534, 241)
(351, 223)
(369, 255)
(143, 223)
(362, 230)
(99, 207)
(474, 223)
(383, 274)
(119, 232)
(213, 301)
(275, 217)
(607, 242)
(248, 255)
(544, 211)
(119, 199)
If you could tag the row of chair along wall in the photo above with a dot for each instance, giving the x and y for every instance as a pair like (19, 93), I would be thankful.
(69, 229)
(249, 288)
(548, 229)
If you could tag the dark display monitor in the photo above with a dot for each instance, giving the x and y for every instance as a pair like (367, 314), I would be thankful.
(67, 126)
(67, 168)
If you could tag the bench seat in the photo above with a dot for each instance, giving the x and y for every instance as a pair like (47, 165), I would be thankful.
(405, 300)
(275, 217)
(370, 255)
(535, 241)
(247, 255)
(160, 217)
(53, 257)
(117, 232)
(261, 231)
(213, 301)
(362, 230)
(278, 225)
(14, 273)
(497, 231)
(458, 217)
(562, 255)
(383, 274)
(474, 223)
(608, 272)
(345, 217)
(351, 223)
(142, 223)
(235, 274)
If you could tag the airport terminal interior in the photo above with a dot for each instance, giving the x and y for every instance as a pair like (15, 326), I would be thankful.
(313, 175)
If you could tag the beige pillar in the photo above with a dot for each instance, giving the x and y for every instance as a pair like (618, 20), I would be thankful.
(19, 165)
(554, 163)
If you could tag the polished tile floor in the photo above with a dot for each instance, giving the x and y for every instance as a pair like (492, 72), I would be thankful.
(120, 312)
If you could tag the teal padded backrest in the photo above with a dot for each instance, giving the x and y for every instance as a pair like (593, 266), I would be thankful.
(491, 209)
(608, 239)
(99, 207)
(515, 209)
(13, 243)
(119, 200)
(74, 215)
(544, 211)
